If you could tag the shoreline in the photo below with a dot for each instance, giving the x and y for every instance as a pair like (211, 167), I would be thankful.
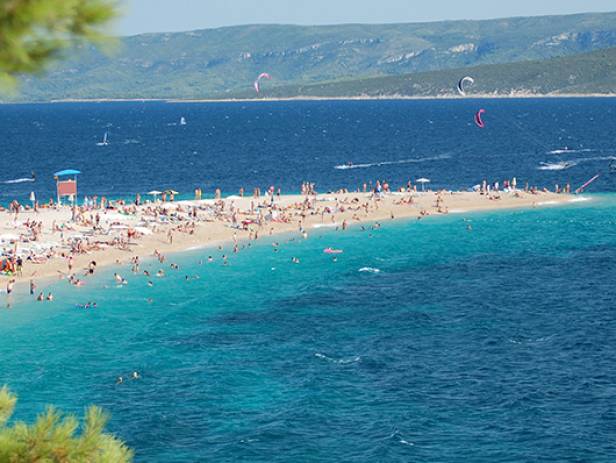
(444, 97)
(213, 228)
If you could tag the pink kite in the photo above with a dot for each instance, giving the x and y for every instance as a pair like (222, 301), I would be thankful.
(478, 119)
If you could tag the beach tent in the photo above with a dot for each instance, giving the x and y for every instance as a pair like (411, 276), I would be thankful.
(423, 181)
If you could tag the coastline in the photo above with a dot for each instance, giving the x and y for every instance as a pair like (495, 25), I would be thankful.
(445, 97)
(213, 228)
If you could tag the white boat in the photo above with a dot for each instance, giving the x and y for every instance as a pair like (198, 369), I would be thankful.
(105, 142)
(182, 120)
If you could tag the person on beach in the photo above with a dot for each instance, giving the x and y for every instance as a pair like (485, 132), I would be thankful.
(10, 286)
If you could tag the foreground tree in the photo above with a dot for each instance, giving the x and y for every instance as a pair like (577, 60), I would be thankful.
(53, 437)
(34, 32)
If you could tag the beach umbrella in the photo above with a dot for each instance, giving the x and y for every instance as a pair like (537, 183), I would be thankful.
(155, 193)
(423, 181)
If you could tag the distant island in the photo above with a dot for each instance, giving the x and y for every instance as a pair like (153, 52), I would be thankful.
(549, 55)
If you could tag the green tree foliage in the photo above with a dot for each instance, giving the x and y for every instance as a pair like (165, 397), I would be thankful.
(33, 32)
(54, 437)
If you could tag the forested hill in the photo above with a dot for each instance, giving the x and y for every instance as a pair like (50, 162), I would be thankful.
(588, 73)
(225, 61)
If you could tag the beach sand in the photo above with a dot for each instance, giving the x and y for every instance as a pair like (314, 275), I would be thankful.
(213, 224)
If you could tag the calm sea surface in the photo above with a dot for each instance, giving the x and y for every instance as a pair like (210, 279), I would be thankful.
(423, 342)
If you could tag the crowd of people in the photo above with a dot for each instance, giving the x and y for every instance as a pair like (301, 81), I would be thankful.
(98, 225)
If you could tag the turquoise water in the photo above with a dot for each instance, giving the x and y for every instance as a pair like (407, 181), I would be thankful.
(495, 344)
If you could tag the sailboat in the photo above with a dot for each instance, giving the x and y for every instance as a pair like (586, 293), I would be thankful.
(105, 142)
(182, 120)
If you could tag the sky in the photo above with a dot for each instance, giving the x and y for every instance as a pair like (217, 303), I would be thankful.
(139, 16)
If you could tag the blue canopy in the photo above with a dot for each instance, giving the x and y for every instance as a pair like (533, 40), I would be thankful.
(67, 172)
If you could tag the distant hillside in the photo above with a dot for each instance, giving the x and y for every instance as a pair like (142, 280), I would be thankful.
(586, 73)
(225, 61)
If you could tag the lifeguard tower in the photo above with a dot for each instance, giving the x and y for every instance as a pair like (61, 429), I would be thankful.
(66, 184)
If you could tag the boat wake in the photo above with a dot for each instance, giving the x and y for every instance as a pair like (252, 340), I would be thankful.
(391, 163)
(573, 162)
(338, 361)
(369, 270)
(19, 180)
(567, 150)
(556, 165)
(597, 158)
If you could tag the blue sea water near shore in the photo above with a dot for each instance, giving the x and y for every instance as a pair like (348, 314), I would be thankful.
(424, 341)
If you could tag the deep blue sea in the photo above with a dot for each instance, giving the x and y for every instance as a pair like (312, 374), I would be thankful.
(424, 341)
(233, 145)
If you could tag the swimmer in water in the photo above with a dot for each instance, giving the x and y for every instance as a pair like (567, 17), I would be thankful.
(136, 375)
(119, 380)
(118, 278)
(160, 273)
(150, 284)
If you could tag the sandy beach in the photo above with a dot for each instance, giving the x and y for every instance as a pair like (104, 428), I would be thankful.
(61, 243)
